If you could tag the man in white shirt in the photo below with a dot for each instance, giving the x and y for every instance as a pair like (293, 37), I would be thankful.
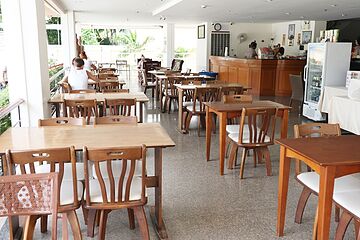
(78, 76)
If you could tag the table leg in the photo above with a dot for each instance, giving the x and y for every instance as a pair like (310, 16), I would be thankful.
(161, 95)
(326, 189)
(57, 109)
(180, 112)
(222, 139)
(156, 88)
(141, 110)
(156, 212)
(284, 123)
(208, 132)
(284, 171)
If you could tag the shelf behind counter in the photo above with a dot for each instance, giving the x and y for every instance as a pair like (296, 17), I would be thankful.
(266, 77)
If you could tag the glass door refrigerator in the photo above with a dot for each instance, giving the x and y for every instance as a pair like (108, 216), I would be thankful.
(327, 64)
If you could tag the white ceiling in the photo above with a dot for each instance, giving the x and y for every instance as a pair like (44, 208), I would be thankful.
(190, 11)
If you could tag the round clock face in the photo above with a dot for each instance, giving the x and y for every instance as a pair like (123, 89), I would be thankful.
(217, 26)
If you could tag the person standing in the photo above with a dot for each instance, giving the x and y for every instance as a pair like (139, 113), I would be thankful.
(251, 52)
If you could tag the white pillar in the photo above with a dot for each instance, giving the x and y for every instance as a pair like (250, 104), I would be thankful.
(68, 37)
(170, 43)
(27, 60)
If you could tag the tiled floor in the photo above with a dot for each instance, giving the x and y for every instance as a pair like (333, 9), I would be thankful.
(201, 204)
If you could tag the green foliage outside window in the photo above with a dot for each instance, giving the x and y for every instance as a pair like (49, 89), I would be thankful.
(5, 123)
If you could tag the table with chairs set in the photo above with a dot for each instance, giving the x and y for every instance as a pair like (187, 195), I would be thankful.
(111, 175)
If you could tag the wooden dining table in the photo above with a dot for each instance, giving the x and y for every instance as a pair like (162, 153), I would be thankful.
(94, 83)
(331, 157)
(223, 110)
(153, 135)
(59, 99)
(182, 88)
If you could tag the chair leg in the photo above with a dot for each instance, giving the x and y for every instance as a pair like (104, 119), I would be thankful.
(266, 152)
(103, 220)
(152, 92)
(43, 223)
(188, 119)
(169, 105)
(74, 224)
(342, 226)
(131, 218)
(29, 227)
(65, 232)
(143, 225)
(315, 227)
(337, 213)
(254, 157)
(232, 157)
(184, 116)
(242, 166)
(85, 212)
(304, 196)
(91, 223)
(199, 123)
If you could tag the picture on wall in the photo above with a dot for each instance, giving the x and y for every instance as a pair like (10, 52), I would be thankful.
(298, 39)
(201, 32)
(291, 31)
(306, 37)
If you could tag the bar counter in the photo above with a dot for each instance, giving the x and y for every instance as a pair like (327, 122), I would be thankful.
(265, 77)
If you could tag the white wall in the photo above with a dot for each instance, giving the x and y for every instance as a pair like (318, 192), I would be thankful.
(261, 32)
(203, 50)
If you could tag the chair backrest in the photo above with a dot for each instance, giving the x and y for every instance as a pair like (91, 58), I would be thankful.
(170, 88)
(107, 75)
(31, 194)
(124, 107)
(27, 160)
(191, 81)
(297, 87)
(257, 126)
(83, 91)
(116, 120)
(117, 90)
(156, 64)
(187, 72)
(108, 85)
(231, 90)
(62, 121)
(176, 64)
(81, 108)
(202, 95)
(237, 98)
(316, 130)
(116, 191)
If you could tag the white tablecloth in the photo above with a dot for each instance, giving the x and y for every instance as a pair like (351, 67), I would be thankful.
(346, 112)
(329, 93)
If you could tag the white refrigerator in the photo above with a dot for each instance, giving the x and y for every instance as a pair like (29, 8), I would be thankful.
(327, 64)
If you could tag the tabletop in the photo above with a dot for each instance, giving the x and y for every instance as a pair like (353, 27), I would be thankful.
(109, 135)
(229, 107)
(208, 85)
(325, 151)
(122, 82)
(100, 97)
(184, 77)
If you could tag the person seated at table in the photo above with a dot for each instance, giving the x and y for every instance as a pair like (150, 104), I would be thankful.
(78, 76)
(88, 65)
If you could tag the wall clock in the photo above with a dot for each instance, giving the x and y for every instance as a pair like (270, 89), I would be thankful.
(217, 26)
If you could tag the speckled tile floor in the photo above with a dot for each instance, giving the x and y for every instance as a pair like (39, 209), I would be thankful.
(201, 204)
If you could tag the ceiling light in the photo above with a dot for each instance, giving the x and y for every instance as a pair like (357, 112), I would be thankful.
(287, 13)
(204, 6)
(269, 1)
(333, 5)
(343, 15)
(302, 17)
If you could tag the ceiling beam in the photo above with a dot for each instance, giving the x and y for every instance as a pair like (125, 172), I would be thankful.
(166, 6)
(56, 6)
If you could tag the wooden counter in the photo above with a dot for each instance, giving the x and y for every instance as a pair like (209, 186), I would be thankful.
(266, 77)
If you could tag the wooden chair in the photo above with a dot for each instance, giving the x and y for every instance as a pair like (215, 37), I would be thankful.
(106, 194)
(119, 106)
(170, 91)
(237, 99)
(201, 95)
(83, 91)
(108, 85)
(257, 129)
(116, 120)
(81, 109)
(62, 121)
(310, 180)
(19, 198)
(148, 84)
(107, 75)
(231, 91)
(115, 90)
(176, 65)
(70, 192)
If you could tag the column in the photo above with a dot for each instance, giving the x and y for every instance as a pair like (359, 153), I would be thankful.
(27, 60)
(68, 37)
(170, 43)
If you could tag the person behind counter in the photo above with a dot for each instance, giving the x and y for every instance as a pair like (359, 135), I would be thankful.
(251, 52)
(279, 53)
